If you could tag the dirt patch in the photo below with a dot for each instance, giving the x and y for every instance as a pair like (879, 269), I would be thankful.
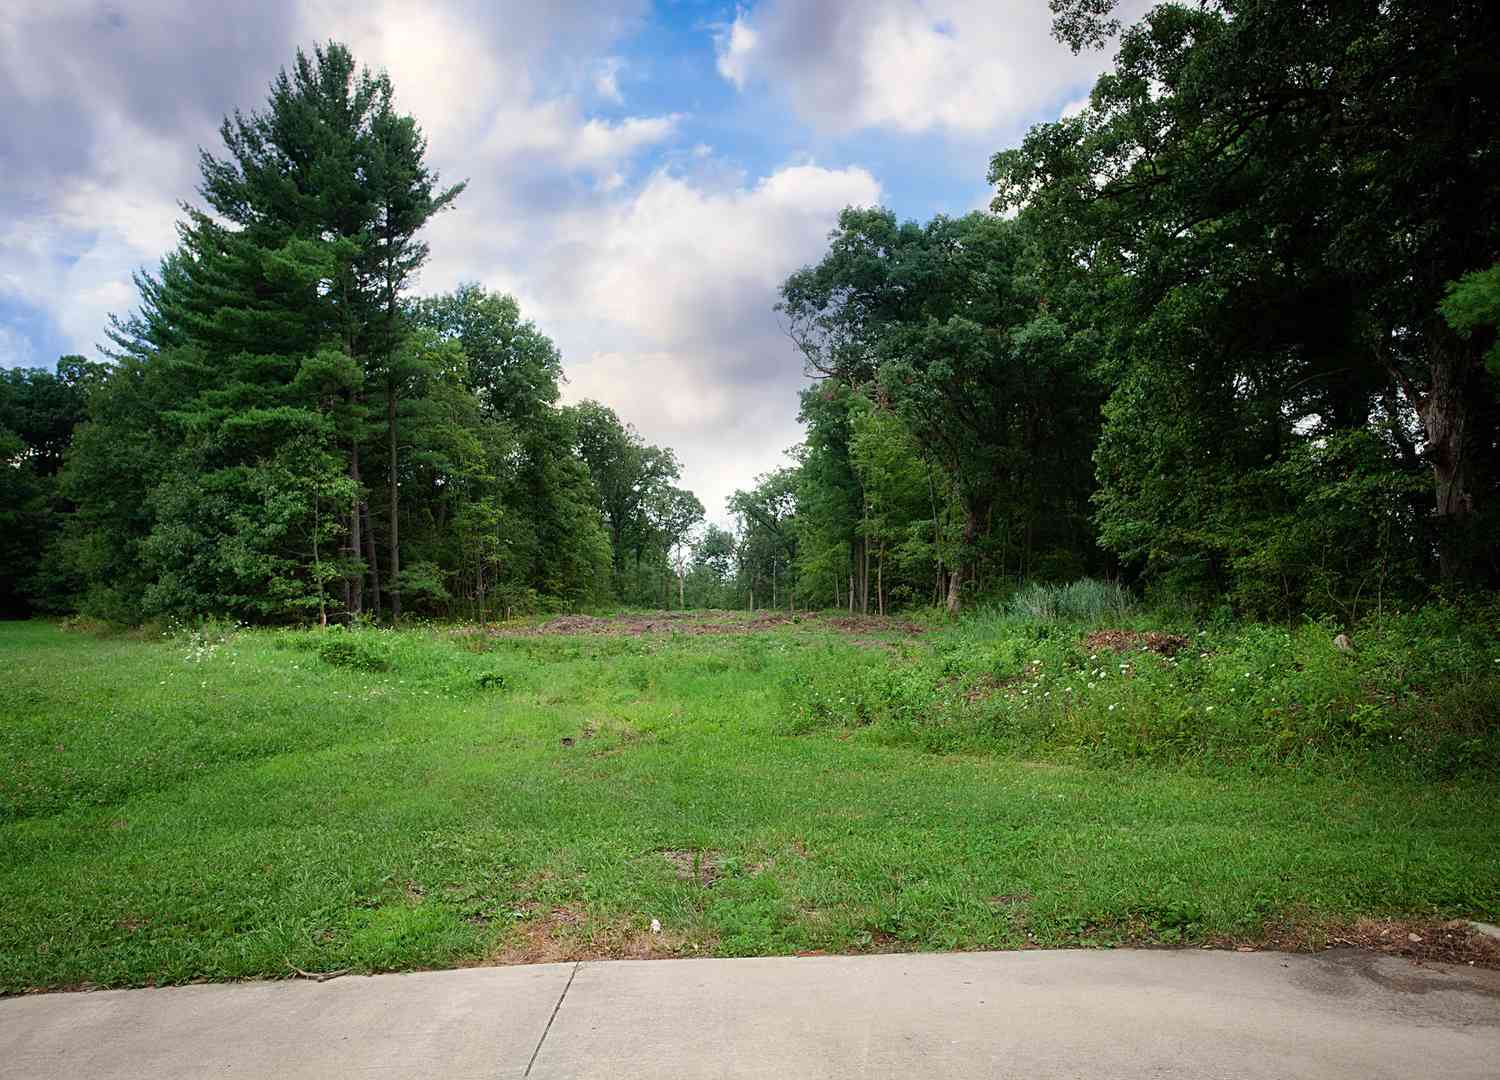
(703, 623)
(1421, 942)
(700, 866)
(796, 848)
(1009, 900)
(878, 940)
(986, 686)
(567, 934)
(1119, 641)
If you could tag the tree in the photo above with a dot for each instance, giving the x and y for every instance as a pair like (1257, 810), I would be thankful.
(1267, 201)
(277, 314)
(636, 494)
(768, 529)
(945, 325)
(38, 413)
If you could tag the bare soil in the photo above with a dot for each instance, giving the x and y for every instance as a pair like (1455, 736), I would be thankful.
(1119, 641)
(706, 622)
(1420, 942)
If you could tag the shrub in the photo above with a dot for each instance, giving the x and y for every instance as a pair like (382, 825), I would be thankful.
(357, 650)
(1417, 694)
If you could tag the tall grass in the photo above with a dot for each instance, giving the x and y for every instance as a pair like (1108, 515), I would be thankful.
(1417, 695)
(1085, 600)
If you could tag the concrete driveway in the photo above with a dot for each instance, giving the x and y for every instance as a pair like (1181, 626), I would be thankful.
(1032, 1015)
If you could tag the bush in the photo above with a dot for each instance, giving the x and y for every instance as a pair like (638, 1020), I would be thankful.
(357, 650)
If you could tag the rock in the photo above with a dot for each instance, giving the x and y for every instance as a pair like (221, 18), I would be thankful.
(1415, 939)
(1487, 929)
(1343, 644)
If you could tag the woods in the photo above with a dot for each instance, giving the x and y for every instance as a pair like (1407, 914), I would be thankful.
(1225, 339)
(1227, 334)
(286, 433)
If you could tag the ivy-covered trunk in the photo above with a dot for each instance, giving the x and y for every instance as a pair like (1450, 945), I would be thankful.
(1444, 410)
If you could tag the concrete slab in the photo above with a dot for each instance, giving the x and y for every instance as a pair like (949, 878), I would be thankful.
(481, 1022)
(1032, 1015)
(1037, 1015)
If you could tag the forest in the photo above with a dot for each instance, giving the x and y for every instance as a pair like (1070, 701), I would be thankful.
(1226, 336)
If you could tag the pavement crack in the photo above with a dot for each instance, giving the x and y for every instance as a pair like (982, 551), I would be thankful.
(555, 1009)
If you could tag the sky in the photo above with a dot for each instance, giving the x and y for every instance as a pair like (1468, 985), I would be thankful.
(641, 177)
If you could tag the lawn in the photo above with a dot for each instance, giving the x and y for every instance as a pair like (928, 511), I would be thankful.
(225, 806)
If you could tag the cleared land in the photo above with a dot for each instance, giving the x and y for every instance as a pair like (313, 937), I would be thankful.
(252, 804)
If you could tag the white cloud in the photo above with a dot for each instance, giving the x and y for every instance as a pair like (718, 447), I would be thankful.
(607, 80)
(16, 349)
(664, 307)
(657, 282)
(970, 68)
(1073, 108)
(735, 47)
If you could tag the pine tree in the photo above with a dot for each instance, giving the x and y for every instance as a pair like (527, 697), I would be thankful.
(282, 305)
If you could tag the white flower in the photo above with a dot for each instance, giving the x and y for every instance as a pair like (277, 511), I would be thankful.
(1209, 709)
(1112, 707)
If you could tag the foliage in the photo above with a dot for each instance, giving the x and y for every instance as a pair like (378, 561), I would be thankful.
(1259, 215)
(1412, 698)
(285, 435)
(38, 413)
(358, 650)
(945, 326)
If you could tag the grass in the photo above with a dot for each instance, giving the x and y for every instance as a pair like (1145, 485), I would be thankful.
(235, 804)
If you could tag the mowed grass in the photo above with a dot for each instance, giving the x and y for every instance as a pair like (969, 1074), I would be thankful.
(175, 811)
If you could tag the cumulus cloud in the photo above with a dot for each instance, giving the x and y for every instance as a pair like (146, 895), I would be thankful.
(970, 68)
(680, 282)
(652, 257)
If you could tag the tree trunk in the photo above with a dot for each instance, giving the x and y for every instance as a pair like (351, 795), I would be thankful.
(1445, 419)
(880, 578)
(937, 535)
(973, 514)
(864, 577)
(1444, 412)
(390, 428)
(371, 558)
(318, 567)
(955, 585)
(356, 547)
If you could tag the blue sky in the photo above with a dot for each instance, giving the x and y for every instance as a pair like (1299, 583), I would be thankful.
(642, 177)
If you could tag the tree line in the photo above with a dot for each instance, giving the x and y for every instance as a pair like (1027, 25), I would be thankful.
(284, 432)
(1228, 333)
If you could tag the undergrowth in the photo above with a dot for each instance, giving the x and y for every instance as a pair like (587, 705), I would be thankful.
(1418, 692)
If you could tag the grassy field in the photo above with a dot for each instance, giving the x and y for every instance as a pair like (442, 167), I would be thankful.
(226, 805)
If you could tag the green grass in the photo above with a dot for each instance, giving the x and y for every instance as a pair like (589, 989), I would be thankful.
(239, 804)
